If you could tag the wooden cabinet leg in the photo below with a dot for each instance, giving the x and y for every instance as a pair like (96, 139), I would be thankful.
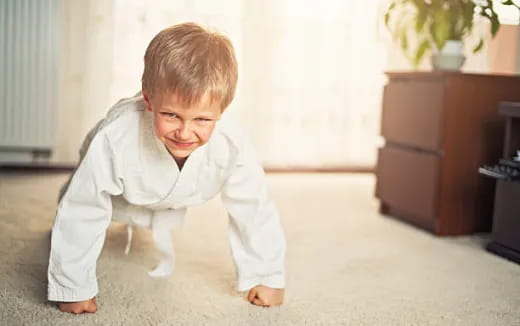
(383, 208)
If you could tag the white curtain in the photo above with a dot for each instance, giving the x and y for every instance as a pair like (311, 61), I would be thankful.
(311, 72)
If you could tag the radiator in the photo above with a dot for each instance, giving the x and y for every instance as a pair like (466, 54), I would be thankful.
(29, 49)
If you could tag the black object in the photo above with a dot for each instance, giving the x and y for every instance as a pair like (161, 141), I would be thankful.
(506, 215)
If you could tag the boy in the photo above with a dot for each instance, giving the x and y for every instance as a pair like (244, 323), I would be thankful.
(156, 154)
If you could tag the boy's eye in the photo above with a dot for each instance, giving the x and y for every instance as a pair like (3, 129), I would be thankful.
(169, 114)
(203, 119)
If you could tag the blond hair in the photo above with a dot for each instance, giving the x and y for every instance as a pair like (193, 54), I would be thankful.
(191, 62)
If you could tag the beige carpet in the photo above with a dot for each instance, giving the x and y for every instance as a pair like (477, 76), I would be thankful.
(347, 265)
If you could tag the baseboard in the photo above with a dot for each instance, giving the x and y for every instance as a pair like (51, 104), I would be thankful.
(300, 169)
(37, 166)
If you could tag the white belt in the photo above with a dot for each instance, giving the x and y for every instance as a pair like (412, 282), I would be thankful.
(161, 222)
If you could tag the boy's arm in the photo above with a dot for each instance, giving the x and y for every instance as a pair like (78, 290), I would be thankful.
(256, 235)
(79, 229)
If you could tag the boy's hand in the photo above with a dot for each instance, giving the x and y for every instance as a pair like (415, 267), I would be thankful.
(265, 296)
(79, 307)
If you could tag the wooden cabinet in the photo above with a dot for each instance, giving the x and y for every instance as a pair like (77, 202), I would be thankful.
(439, 127)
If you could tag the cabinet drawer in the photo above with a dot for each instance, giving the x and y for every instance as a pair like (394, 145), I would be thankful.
(412, 113)
(408, 180)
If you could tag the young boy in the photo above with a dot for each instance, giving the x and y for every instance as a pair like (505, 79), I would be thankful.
(156, 154)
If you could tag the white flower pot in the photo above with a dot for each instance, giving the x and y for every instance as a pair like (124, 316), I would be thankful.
(450, 57)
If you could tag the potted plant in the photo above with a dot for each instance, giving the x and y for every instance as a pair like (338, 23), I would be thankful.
(438, 27)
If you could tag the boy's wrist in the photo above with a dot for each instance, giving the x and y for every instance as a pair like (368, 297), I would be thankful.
(274, 281)
(61, 294)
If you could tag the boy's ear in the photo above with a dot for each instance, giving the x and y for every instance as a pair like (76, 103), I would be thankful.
(147, 101)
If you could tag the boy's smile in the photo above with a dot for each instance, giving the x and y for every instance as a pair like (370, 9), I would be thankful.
(181, 128)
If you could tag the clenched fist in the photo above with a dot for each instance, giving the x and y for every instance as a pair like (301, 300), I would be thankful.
(79, 307)
(265, 296)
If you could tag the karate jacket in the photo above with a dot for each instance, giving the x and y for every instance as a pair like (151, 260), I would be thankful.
(127, 174)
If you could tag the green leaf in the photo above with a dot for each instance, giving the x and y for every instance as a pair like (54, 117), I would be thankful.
(419, 23)
(508, 3)
(479, 46)
(467, 14)
(441, 28)
(419, 53)
(436, 5)
(404, 40)
(388, 13)
(495, 24)
(420, 5)
(484, 13)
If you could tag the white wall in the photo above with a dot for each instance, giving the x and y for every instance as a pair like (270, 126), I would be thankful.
(85, 73)
(309, 72)
(300, 66)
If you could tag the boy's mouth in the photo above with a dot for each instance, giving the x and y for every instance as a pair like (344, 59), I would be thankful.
(181, 144)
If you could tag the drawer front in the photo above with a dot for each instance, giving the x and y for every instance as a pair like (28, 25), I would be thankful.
(408, 181)
(412, 113)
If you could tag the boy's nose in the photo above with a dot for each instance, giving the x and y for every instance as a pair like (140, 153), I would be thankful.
(183, 133)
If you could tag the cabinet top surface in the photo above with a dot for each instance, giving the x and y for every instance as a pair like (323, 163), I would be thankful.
(444, 74)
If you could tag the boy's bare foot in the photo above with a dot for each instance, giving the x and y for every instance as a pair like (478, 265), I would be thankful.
(79, 307)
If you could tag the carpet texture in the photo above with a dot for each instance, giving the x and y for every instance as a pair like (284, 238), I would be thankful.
(347, 265)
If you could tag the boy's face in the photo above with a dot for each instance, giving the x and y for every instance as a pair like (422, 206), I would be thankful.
(182, 129)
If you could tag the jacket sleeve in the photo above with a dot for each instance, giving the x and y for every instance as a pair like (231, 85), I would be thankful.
(79, 229)
(256, 235)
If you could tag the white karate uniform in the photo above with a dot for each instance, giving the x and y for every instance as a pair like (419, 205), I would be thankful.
(127, 174)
